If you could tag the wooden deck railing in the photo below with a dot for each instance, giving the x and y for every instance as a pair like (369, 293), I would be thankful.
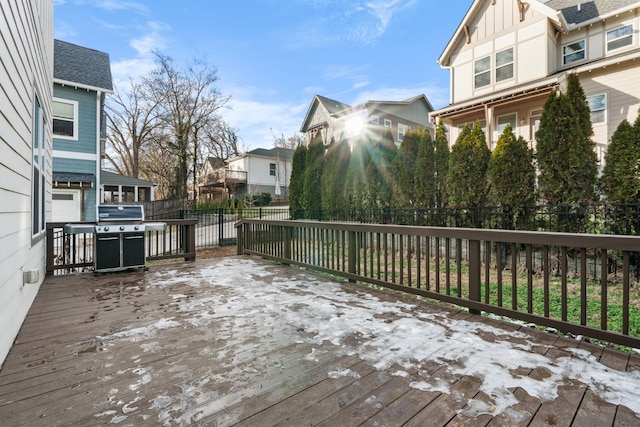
(581, 284)
(73, 253)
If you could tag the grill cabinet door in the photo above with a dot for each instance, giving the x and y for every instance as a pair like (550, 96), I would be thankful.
(133, 250)
(107, 254)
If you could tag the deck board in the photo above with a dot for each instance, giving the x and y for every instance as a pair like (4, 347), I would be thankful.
(120, 349)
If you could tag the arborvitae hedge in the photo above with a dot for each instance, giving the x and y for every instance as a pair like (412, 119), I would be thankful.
(620, 181)
(296, 182)
(511, 176)
(566, 156)
(468, 162)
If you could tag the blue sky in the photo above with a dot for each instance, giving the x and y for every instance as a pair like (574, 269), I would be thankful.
(273, 56)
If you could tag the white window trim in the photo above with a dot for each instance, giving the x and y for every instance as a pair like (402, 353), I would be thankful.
(75, 119)
(511, 64)
(475, 75)
(39, 163)
(273, 169)
(607, 41)
(387, 123)
(402, 130)
(584, 49)
(604, 109)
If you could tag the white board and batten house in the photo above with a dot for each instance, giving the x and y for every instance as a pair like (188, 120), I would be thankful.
(26, 93)
(506, 56)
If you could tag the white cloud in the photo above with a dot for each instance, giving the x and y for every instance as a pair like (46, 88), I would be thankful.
(121, 5)
(340, 21)
(257, 121)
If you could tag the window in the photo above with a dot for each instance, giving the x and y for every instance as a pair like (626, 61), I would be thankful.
(272, 169)
(402, 129)
(573, 52)
(482, 72)
(503, 121)
(504, 65)
(597, 105)
(65, 123)
(375, 120)
(387, 123)
(38, 181)
(619, 37)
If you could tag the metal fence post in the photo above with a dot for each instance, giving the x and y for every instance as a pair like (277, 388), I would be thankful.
(220, 226)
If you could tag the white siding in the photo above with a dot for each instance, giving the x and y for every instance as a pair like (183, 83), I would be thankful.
(26, 55)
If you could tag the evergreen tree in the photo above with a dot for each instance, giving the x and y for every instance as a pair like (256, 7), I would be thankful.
(620, 181)
(334, 176)
(511, 176)
(296, 182)
(441, 161)
(425, 170)
(405, 169)
(314, 163)
(378, 177)
(566, 156)
(468, 169)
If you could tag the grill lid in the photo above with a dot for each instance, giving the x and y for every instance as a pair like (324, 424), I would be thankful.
(119, 213)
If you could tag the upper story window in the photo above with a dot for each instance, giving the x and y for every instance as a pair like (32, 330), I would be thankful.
(573, 52)
(375, 120)
(38, 182)
(619, 37)
(387, 123)
(597, 105)
(65, 119)
(504, 65)
(482, 72)
(272, 169)
(402, 129)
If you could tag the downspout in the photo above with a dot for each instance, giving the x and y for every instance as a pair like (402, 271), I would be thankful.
(99, 193)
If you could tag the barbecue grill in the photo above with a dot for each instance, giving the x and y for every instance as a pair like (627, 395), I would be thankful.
(119, 242)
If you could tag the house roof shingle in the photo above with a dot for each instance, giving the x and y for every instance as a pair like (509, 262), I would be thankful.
(276, 152)
(77, 64)
(587, 10)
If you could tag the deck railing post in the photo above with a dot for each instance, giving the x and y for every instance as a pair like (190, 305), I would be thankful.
(287, 243)
(474, 273)
(352, 253)
(49, 255)
(189, 242)
(240, 239)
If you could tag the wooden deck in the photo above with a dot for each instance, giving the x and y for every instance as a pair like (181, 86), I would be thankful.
(182, 344)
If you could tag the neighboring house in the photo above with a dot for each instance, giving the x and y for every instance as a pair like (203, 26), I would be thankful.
(507, 56)
(26, 82)
(334, 120)
(257, 171)
(82, 78)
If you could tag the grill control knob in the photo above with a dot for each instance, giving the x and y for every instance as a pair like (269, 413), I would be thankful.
(136, 227)
(122, 228)
(106, 229)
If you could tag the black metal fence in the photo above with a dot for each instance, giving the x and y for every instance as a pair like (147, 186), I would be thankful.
(597, 218)
(215, 226)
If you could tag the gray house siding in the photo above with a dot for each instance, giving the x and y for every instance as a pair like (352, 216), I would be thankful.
(26, 31)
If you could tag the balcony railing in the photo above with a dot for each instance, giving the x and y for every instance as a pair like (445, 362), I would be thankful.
(576, 283)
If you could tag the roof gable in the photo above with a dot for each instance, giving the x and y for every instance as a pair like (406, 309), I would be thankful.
(332, 107)
(81, 65)
(480, 5)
